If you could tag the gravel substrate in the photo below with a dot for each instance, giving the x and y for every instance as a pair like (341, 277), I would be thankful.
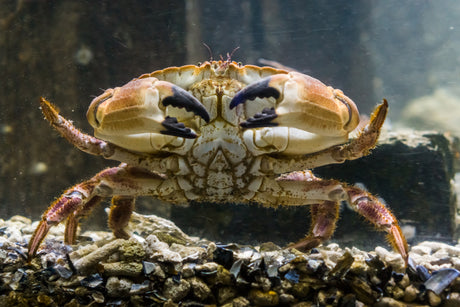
(162, 266)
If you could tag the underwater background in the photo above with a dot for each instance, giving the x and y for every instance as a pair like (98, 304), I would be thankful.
(70, 51)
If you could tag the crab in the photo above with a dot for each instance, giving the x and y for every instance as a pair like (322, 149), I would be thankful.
(221, 132)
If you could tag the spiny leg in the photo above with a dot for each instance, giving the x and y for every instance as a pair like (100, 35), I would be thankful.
(77, 201)
(367, 139)
(299, 188)
(120, 214)
(323, 220)
(57, 212)
(380, 216)
(82, 141)
(74, 219)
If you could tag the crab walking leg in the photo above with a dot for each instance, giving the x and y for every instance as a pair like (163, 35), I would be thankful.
(120, 214)
(357, 148)
(298, 188)
(367, 139)
(79, 139)
(323, 220)
(77, 201)
(73, 219)
(375, 212)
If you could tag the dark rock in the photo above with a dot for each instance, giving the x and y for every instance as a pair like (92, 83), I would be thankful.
(92, 281)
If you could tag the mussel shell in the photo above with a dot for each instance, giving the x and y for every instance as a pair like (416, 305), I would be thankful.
(441, 279)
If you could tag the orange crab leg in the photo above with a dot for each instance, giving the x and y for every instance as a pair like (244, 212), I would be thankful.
(323, 220)
(120, 214)
(379, 215)
(81, 140)
(78, 201)
(302, 187)
(57, 212)
(74, 218)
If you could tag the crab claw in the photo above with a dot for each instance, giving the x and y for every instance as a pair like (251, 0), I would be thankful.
(140, 107)
(302, 102)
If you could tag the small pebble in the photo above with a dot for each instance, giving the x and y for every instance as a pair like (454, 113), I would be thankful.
(261, 298)
(118, 287)
(453, 300)
(225, 294)
(433, 298)
(98, 297)
(389, 302)
(199, 288)
(131, 269)
(176, 291)
(410, 293)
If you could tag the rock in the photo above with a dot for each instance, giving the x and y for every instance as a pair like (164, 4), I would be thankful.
(87, 262)
(410, 293)
(433, 298)
(159, 250)
(164, 229)
(132, 250)
(389, 302)
(225, 294)
(118, 286)
(131, 269)
(453, 300)
(238, 302)
(199, 289)
(176, 291)
(261, 298)
(438, 110)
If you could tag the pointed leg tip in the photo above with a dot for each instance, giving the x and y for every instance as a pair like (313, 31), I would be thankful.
(398, 241)
(36, 239)
(305, 244)
(50, 111)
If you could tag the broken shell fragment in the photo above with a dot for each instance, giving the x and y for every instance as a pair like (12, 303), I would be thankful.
(441, 280)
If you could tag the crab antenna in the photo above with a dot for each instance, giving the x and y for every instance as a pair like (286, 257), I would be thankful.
(211, 58)
(229, 56)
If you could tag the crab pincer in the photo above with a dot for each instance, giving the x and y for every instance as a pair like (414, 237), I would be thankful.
(139, 107)
(302, 102)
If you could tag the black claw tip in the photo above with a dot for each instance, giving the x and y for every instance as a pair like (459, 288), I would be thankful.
(261, 119)
(259, 89)
(175, 128)
(182, 99)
